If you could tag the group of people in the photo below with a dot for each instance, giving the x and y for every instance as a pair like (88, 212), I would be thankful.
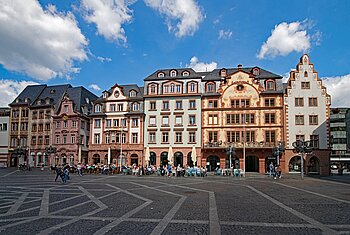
(275, 171)
(63, 173)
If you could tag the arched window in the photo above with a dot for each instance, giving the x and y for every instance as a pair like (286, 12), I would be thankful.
(185, 74)
(98, 108)
(192, 87)
(172, 73)
(153, 89)
(132, 93)
(172, 88)
(305, 74)
(210, 87)
(270, 85)
(160, 75)
(256, 71)
(135, 106)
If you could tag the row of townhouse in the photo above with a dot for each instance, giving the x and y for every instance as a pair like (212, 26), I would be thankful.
(225, 117)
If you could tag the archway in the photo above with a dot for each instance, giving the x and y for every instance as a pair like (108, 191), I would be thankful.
(212, 163)
(96, 159)
(313, 167)
(152, 158)
(295, 164)
(106, 159)
(252, 164)
(189, 159)
(164, 158)
(178, 159)
(134, 159)
(71, 159)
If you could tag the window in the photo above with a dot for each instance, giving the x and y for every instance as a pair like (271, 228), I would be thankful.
(165, 105)
(64, 139)
(192, 104)
(108, 123)
(314, 143)
(192, 120)
(153, 89)
(82, 139)
(306, 74)
(74, 124)
(165, 121)
(132, 94)
(98, 108)
(4, 127)
(192, 137)
(72, 139)
(247, 118)
(172, 88)
(178, 137)
(313, 101)
(47, 140)
(66, 109)
(213, 136)
(210, 87)
(270, 136)
(248, 136)
(40, 140)
(178, 88)
(112, 107)
(58, 124)
(165, 137)
(178, 121)
(233, 136)
(166, 89)
(82, 125)
(269, 118)
(135, 122)
(107, 138)
(213, 119)
(232, 119)
(34, 127)
(178, 104)
(185, 74)
(160, 75)
(41, 127)
(135, 106)
(305, 85)
(98, 123)
(58, 139)
(41, 114)
(152, 137)
(47, 126)
(152, 105)
(299, 102)
(270, 86)
(120, 107)
(269, 102)
(313, 119)
(192, 87)
(299, 119)
(300, 137)
(242, 103)
(116, 122)
(33, 140)
(123, 122)
(134, 138)
(152, 120)
(97, 138)
(173, 73)
(212, 104)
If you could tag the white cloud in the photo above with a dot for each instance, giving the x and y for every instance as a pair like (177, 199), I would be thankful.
(10, 89)
(104, 59)
(286, 38)
(94, 87)
(338, 88)
(225, 34)
(109, 16)
(200, 66)
(42, 44)
(186, 13)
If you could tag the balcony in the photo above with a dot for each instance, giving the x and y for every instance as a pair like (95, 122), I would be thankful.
(238, 145)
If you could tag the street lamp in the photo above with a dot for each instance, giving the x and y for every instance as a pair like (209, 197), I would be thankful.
(50, 150)
(277, 151)
(301, 146)
(230, 151)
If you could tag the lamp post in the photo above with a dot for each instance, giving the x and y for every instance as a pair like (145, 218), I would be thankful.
(277, 151)
(301, 146)
(121, 149)
(50, 150)
(244, 140)
(230, 150)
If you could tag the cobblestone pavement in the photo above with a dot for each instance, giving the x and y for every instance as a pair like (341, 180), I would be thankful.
(33, 203)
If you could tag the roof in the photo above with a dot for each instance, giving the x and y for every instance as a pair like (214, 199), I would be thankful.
(192, 74)
(28, 95)
(126, 91)
(82, 98)
(264, 74)
(54, 93)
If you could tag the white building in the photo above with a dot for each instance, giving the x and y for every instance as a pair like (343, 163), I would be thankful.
(4, 135)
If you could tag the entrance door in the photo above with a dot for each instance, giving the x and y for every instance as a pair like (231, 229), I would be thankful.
(14, 161)
(252, 164)
(214, 162)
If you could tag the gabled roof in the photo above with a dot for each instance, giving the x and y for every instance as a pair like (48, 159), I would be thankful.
(31, 92)
(82, 98)
(126, 91)
(154, 76)
(264, 74)
(54, 93)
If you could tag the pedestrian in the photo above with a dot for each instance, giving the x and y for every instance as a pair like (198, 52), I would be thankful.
(65, 175)
(271, 169)
(58, 171)
(278, 172)
(79, 169)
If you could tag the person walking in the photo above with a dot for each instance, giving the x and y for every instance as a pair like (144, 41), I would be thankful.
(79, 169)
(58, 171)
(271, 169)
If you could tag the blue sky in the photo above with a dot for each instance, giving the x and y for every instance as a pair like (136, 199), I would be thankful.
(97, 43)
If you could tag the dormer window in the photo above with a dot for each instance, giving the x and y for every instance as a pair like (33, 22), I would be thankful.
(173, 73)
(185, 74)
(223, 72)
(132, 94)
(27, 100)
(256, 71)
(210, 87)
(161, 75)
(47, 100)
(97, 108)
(105, 95)
(270, 85)
(87, 100)
(39, 102)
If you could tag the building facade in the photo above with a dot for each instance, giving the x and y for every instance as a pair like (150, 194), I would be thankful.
(173, 117)
(242, 116)
(307, 116)
(117, 127)
(4, 135)
(340, 136)
(71, 127)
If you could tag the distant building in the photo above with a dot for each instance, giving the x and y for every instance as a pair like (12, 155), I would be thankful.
(117, 127)
(4, 135)
(307, 117)
(340, 132)
(173, 117)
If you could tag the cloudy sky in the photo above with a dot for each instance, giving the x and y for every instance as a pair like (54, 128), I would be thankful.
(97, 43)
